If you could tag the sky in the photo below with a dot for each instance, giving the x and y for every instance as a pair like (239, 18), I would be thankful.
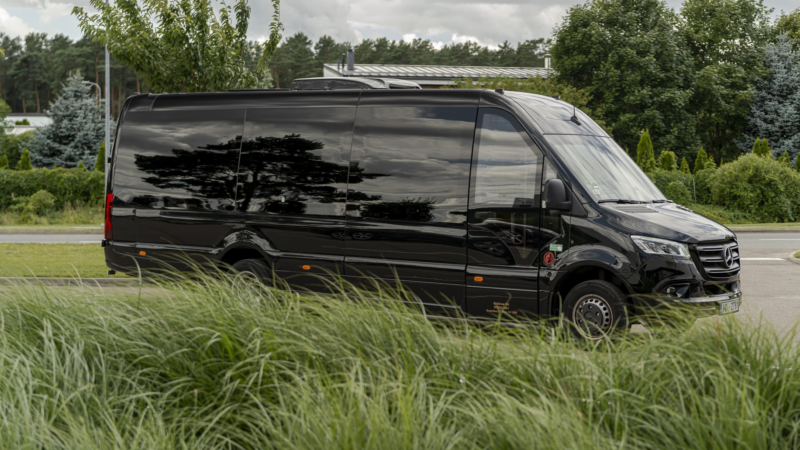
(488, 22)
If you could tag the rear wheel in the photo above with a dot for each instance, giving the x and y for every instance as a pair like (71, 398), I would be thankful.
(595, 309)
(249, 273)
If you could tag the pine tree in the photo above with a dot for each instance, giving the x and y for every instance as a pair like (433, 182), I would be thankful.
(645, 157)
(81, 166)
(76, 131)
(797, 165)
(700, 161)
(685, 166)
(711, 164)
(100, 162)
(667, 161)
(4, 162)
(757, 146)
(766, 150)
(775, 111)
(25, 160)
(785, 159)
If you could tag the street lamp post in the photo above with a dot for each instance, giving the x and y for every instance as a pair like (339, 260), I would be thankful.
(99, 94)
(108, 115)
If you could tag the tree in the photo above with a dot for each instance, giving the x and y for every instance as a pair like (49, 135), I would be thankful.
(726, 40)
(667, 161)
(4, 162)
(756, 146)
(789, 24)
(685, 166)
(295, 59)
(100, 162)
(328, 51)
(785, 159)
(700, 161)
(775, 114)
(25, 161)
(76, 131)
(645, 158)
(204, 51)
(635, 66)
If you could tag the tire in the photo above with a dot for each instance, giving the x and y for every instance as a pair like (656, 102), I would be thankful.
(250, 272)
(596, 309)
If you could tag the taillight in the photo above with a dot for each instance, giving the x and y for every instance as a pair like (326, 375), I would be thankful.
(109, 205)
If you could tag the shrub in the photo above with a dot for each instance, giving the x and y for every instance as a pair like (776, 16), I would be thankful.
(100, 162)
(701, 160)
(668, 161)
(11, 146)
(66, 185)
(664, 178)
(678, 193)
(766, 189)
(24, 161)
(40, 203)
(785, 159)
(702, 185)
(645, 157)
(3, 162)
(685, 166)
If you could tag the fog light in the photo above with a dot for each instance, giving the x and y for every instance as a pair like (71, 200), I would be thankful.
(671, 290)
(678, 290)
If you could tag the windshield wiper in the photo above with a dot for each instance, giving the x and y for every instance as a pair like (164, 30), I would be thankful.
(620, 200)
(664, 200)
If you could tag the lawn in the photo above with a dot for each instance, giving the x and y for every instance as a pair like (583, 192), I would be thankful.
(68, 215)
(195, 365)
(52, 260)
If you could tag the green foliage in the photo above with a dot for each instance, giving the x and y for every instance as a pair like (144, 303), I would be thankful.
(667, 161)
(11, 146)
(726, 39)
(678, 193)
(75, 132)
(67, 185)
(81, 166)
(205, 51)
(701, 160)
(63, 215)
(629, 57)
(199, 365)
(663, 179)
(789, 24)
(762, 149)
(295, 59)
(776, 108)
(22, 122)
(766, 189)
(685, 166)
(25, 160)
(702, 185)
(100, 162)
(39, 204)
(785, 159)
(645, 157)
(4, 162)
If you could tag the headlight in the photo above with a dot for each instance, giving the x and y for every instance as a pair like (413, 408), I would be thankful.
(655, 246)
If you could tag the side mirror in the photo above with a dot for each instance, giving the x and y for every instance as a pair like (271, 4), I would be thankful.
(555, 195)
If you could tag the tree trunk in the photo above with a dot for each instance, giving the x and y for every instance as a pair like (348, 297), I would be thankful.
(96, 71)
(24, 109)
(119, 102)
(36, 91)
(138, 88)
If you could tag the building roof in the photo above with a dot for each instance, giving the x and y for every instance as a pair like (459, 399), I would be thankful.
(438, 75)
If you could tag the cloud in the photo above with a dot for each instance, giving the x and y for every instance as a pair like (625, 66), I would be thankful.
(13, 26)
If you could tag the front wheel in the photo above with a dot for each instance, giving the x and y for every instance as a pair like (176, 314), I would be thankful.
(249, 273)
(595, 309)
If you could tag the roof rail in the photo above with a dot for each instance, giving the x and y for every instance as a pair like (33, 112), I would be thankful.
(340, 83)
(258, 89)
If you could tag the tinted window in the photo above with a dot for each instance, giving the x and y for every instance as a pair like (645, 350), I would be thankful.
(294, 161)
(412, 163)
(505, 199)
(179, 159)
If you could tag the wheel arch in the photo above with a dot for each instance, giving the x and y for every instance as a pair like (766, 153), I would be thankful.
(586, 272)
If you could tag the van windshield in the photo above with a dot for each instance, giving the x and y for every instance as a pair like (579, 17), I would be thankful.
(604, 169)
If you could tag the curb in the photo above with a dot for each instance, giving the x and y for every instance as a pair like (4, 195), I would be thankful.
(52, 281)
(793, 259)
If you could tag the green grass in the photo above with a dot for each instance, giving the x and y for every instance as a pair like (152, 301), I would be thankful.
(52, 260)
(68, 215)
(196, 366)
(797, 255)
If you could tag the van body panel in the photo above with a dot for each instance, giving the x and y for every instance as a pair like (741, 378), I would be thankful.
(409, 204)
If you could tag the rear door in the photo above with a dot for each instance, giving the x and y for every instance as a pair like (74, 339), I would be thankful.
(407, 192)
(176, 171)
(504, 218)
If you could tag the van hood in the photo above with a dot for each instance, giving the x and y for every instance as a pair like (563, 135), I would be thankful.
(666, 221)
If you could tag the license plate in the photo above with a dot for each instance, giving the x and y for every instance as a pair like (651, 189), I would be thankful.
(728, 307)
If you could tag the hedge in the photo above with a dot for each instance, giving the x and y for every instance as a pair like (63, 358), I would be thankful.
(66, 185)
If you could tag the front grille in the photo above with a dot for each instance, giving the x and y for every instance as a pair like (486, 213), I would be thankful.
(712, 259)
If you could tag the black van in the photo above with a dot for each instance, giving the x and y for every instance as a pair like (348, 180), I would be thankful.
(486, 201)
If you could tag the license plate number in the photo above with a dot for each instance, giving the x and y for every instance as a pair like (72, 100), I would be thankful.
(728, 307)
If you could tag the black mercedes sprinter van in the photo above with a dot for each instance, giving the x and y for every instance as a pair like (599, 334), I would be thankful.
(486, 201)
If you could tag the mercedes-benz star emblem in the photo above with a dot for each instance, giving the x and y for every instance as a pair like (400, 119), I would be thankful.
(728, 256)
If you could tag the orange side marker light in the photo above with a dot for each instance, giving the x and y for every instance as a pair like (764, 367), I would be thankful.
(306, 267)
(142, 253)
(478, 279)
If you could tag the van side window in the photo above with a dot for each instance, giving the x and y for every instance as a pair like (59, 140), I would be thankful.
(505, 194)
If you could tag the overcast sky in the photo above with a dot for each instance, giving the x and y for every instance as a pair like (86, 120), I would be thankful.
(488, 22)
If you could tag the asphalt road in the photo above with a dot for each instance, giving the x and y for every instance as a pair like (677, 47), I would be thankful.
(770, 281)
